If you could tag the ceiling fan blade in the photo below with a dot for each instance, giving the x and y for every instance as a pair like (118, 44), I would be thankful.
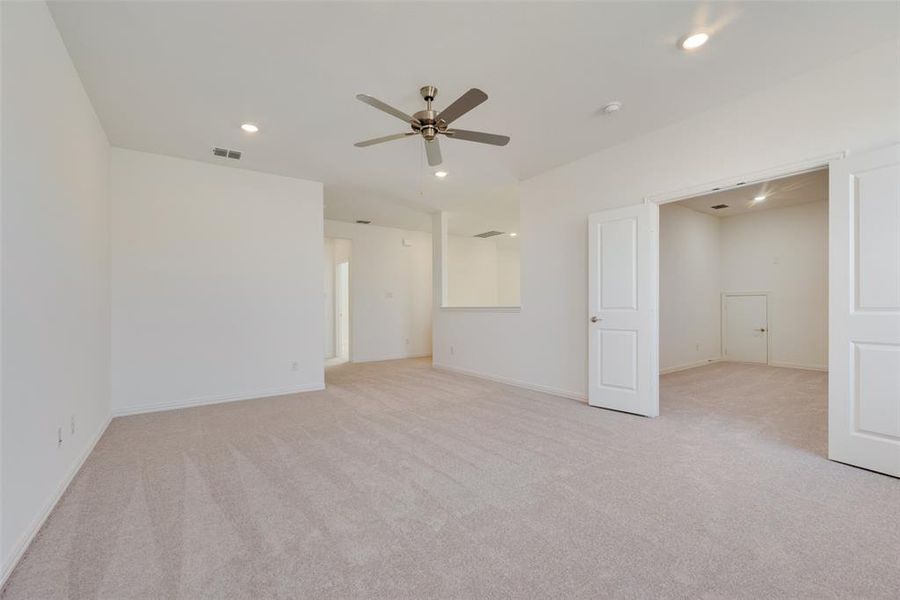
(433, 151)
(375, 102)
(478, 136)
(380, 140)
(462, 105)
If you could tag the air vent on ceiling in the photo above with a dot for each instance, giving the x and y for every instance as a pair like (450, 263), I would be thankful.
(488, 234)
(363, 222)
(226, 153)
(719, 206)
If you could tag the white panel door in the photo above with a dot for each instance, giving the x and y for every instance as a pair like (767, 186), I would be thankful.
(623, 372)
(864, 311)
(746, 329)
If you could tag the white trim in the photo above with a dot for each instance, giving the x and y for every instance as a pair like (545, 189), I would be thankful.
(391, 357)
(508, 381)
(21, 546)
(721, 185)
(787, 365)
(693, 365)
(219, 399)
(483, 308)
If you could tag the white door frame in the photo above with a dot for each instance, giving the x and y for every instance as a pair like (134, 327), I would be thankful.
(339, 302)
(722, 328)
(721, 185)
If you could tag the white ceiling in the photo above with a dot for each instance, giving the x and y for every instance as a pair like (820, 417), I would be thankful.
(779, 193)
(177, 78)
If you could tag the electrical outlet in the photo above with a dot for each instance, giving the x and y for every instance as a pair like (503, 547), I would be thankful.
(698, 347)
(59, 437)
(295, 365)
(407, 341)
(451, 350)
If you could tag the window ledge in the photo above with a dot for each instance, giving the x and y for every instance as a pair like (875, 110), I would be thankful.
(504, 309)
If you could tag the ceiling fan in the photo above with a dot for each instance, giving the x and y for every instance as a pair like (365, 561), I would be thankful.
(430, 124)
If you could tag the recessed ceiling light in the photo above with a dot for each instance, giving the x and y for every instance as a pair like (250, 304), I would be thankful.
(250, 127)
(759, 198)
(513, 234)
(693, 41)
(440, 174)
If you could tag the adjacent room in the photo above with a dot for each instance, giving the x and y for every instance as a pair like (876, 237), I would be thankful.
(451, 300)
(744, 303)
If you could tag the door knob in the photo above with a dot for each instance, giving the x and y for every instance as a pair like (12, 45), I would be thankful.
(595, 318)
(762, 330)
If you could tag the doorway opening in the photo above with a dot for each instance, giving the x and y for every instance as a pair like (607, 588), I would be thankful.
(338, 348)
(858, 410)
(743, 305)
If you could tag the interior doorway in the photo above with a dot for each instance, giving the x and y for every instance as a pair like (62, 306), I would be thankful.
(743, 308)
(342, 308)
(338, 302)
(743, 276)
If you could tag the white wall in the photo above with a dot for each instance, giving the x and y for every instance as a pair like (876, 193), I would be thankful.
(508, 267)
(545, 344)
(784, 252)
(471, 271)
(482, 272)
(780, 251)
(216, 283)
(55, 273)
(689, 287)
(390, 291)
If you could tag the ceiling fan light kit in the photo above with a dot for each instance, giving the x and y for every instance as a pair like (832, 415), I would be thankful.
(430, 123)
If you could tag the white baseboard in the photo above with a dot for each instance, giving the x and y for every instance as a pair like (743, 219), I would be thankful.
(694, 365)
(785, 365)
(389, 357)
(218, 399)
(516, 382)
(18, 550)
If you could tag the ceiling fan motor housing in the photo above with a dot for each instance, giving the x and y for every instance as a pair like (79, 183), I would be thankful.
(427, 124)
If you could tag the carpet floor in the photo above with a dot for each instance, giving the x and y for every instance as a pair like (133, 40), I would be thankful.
(401, 481)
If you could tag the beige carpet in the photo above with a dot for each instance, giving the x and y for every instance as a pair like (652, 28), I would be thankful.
(405, 482)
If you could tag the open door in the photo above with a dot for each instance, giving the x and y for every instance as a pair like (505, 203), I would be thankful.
(864, 311)
(623, 369)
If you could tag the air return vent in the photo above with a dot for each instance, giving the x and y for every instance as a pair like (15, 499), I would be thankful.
(488, 234)
(226, 153)
(719, 206)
